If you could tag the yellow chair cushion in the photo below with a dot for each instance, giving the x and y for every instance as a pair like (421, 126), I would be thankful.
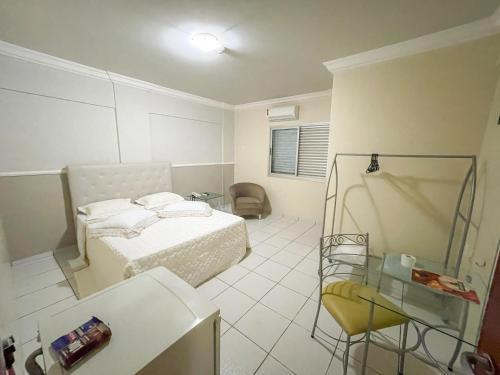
(352, 313)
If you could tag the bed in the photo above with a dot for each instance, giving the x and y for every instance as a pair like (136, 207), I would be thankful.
(195, 248)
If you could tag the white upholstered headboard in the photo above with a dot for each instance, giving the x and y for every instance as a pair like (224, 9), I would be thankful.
(93, 183)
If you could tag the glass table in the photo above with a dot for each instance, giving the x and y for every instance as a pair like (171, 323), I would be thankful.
(427, 308)
(214, 199)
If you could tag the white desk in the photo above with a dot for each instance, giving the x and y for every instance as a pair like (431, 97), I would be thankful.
(159, 324)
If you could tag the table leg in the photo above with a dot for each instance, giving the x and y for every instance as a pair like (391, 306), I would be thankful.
(461, 333)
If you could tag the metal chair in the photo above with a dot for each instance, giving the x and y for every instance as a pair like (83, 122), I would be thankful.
(357, 308)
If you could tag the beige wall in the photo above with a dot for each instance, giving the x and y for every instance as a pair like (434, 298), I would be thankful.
(485, 233)
(36, 214)
(7, 296)
(432, 103)
(484, 236)
(288, 196)
(35, 211)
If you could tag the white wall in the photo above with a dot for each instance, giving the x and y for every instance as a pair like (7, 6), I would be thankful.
(52, 117)
(56, 113)
(142, 113)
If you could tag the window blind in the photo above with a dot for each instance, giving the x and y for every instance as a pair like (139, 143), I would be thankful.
(313, 150)
(284, 150)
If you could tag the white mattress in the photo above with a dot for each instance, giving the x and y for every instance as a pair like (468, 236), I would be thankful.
(195, 248)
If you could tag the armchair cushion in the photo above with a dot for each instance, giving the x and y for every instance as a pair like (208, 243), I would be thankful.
(248, 200)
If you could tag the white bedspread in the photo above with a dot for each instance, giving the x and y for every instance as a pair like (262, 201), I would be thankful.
(195, 248)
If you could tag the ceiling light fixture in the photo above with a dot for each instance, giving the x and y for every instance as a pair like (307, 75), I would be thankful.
(207, 43)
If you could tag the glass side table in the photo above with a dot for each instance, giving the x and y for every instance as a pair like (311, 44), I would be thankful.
(215, 200)
(450, 312)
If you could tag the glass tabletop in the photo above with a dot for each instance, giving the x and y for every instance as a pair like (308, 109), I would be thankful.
(205, 196)
(423, 300)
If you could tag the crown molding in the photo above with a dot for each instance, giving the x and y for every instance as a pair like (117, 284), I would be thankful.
(40, 58)
(446, 38)
(295, 98)
(18, 52)
(137, 83)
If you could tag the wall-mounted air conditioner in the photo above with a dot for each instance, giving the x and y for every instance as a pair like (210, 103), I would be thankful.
(285, 113)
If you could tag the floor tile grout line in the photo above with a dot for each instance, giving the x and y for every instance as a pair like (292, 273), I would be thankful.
(285, 228)
(48, 286)
(279, 338)
(277, 360)
(34, 312)
(16, 278)
(27, 261)
(37, 310)
(259, 301)
(43, 308)
(40, 289)
(290, 320)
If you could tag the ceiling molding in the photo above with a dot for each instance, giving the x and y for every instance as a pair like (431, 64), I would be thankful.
(295, 98)
(137, 83)
(18, 52)
(446, 38)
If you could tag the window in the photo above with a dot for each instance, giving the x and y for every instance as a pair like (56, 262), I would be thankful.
(300, 151)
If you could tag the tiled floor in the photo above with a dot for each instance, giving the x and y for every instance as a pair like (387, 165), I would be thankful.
(41, 288)
(267, 304)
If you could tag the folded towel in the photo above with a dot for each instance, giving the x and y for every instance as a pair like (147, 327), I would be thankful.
(186, 209)
(128, 224)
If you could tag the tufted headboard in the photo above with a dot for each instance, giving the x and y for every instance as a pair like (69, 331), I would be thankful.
(92, 183)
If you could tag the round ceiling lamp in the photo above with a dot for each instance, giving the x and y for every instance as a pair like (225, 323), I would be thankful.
(207, 43)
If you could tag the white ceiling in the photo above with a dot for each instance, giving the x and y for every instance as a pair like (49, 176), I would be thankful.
(275, 48)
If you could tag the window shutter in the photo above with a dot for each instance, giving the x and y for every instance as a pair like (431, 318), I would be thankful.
(313, 150)
(284, 151)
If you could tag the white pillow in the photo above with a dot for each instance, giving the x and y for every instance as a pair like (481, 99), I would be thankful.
(104, 209)
(186, 209)
(153, 201)
(127, 224)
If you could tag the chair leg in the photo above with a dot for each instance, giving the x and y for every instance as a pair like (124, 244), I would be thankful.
(365, 354)
(346, 354)
(367, 339)
(403, 350)
(316, 318)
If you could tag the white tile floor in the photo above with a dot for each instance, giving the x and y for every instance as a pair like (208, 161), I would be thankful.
(41, 288)
(267, 304)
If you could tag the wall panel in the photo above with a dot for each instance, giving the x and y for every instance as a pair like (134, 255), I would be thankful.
(185, 141)
(20, 75)
(40, 133)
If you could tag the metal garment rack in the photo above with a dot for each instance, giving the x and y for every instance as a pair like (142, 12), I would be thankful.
(470, 178)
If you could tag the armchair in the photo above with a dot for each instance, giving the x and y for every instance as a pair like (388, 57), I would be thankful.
(248, 199)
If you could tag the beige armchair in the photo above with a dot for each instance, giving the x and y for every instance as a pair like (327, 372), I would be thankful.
(248, 199)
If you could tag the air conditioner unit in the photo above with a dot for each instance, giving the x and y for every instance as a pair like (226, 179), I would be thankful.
(289, 112)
